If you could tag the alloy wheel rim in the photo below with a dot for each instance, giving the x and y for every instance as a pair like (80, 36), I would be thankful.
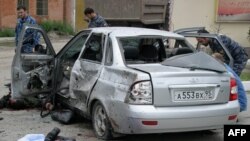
(100, 120)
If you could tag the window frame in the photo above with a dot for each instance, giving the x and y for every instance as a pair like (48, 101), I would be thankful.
(44, 7)
(109, 52)
(23, 3)
(75, 44)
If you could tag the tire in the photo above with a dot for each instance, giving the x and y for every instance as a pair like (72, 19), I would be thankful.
(100, 122)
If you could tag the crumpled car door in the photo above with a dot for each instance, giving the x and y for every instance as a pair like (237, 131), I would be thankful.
(32, 70)
(191, 35)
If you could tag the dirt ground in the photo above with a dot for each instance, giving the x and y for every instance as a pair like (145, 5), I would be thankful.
(16, 124)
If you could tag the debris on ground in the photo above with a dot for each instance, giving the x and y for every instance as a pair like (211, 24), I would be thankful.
(32, 137)
(51, 136)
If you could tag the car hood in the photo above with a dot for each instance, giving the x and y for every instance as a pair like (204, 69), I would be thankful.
(198, 60)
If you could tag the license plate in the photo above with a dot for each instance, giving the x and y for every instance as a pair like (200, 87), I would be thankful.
(196, 95)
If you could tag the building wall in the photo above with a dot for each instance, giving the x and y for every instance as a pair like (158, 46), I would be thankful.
(69, 12)
(80, 23)
(196, 13)
(55, 10)
(0, 13)
(8, 13)
(59, 10)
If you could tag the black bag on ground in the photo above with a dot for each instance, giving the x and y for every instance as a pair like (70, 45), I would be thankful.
(62, 116)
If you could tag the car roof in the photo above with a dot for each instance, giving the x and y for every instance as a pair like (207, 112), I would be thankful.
(135, 31)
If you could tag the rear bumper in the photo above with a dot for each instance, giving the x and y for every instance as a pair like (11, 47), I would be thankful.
(171, 119)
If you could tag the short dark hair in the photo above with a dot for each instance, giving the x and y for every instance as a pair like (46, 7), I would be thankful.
(88, 11)
(21, 7)
(202, 31)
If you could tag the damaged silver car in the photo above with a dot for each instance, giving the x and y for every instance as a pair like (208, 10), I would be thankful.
(129, 80)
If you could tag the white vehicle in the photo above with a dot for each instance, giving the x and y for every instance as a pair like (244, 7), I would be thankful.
(128, 81)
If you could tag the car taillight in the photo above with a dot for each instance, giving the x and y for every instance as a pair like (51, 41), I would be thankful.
(233, 90)
(140, 93)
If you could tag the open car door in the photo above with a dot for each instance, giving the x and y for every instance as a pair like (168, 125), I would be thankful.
(192, 33)
(33, 63)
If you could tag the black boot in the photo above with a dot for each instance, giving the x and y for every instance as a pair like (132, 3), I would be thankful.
(52, 135)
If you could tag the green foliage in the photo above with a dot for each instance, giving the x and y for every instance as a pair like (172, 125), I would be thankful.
(245, 76)
(57, 26)
(7, 32)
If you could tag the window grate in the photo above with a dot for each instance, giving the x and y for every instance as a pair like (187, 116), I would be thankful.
(42, 7)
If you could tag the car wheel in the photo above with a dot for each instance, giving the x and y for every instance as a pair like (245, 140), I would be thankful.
(100, 121)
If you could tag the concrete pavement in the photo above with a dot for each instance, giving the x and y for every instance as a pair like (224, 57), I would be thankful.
(7, 39)
(246, 85)
(244, 117)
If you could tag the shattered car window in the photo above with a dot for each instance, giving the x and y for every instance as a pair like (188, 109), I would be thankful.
(34, 51)
(94, 48)
(34, 43)
(141, 50)
(71, 54)
(74, 50)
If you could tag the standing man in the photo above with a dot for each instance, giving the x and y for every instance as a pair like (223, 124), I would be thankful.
(94, 19)
(237, 52)
(31, 38)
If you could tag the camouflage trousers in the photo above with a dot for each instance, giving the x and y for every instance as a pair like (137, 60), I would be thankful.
(238, 68)
(29, 102)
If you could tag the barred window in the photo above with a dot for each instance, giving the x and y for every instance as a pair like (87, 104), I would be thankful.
(42, 7)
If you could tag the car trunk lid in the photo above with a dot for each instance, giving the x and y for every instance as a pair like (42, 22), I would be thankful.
(176, 83)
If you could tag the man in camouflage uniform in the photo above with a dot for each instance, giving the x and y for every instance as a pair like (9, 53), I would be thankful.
(242, 97)
(31, 38)
(94, 19)
(237, 52)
